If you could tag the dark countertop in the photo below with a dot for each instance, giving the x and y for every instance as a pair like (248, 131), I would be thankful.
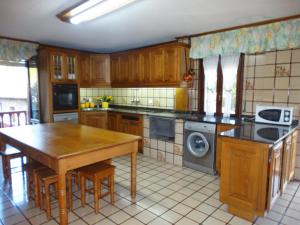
(191, 116)
(259, 132)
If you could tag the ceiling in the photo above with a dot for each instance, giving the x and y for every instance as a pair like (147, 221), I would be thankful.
(142, 23)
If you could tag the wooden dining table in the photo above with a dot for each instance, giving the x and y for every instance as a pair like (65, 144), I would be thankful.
(64, 146)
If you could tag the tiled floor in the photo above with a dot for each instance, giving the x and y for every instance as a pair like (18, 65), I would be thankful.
(166, 195)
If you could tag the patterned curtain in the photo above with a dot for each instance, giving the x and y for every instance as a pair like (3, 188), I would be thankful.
(16, 51)
(279, 35)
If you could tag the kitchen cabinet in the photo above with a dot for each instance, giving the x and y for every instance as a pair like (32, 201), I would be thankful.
(161, 65)
(94, 119)
(63, 65)
(221, 128)
(275, 171)
(127, 123)
(254, 174)
(94, 70)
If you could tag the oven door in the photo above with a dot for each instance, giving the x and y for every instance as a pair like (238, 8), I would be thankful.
(65, 97)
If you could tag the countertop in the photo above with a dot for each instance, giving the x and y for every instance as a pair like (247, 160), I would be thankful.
(191, 116)
(259, 132)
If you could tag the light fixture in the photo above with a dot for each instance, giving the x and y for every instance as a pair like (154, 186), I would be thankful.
(91, 9)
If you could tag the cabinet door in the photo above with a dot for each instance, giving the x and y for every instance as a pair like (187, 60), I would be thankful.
(94, 119)
(57, 69)
(171, 73)
(286, 162)
(134, 68)
(115, 69)
(124, 68)
(71, 67)
(221, 128)
(145, 66)
(84, 70)
(293, 155)
(275, 170)
(157, 65)
(112, 121)
(100, 70)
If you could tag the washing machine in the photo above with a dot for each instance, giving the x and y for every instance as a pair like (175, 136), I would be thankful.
(199, 146)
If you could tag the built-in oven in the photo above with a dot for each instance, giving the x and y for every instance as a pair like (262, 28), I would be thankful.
(65, 97)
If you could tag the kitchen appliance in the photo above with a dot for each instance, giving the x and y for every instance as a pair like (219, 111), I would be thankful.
(65, 97)
(274, 115)
(162, 128)
(199, 146)
(66, 117)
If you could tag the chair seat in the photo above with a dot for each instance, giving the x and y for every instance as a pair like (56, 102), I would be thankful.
(97, 168)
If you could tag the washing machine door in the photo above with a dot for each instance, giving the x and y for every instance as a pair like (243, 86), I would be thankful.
(197, 144)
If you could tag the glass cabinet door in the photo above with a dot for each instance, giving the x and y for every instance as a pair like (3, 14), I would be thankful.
(71, 68)
(57, 67)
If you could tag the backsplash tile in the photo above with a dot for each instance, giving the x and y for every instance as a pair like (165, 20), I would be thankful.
(144, 97)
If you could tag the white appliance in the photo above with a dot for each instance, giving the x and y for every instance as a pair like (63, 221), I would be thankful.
(66, 117)
(274, 115)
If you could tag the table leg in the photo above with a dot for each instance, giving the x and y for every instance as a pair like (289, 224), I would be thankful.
(133, 174)
(63, 214)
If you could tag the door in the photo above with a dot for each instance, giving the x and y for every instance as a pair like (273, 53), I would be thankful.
(84, 70)
(293, 155)
(157, 65)
(197, 144)
(286, 162)
(275, 170)
(112, 121)
(145, 66)
(171, 73)
(124, 68)
(115, 69)
(100, 70)
(57, 69)
(71, 67)
(134, 68)
(34, 97)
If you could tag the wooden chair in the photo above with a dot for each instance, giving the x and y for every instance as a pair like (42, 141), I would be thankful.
(31, 178)
(96, 173)
(46, 177)
(8, 153)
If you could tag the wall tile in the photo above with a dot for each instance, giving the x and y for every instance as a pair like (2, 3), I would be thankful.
(280, 96)
(169, 158)
(153, 143)
(178, 160)
(295, 71)
(282, 83)
(265, 71)
(169, 147)
(178, 149)
(295, 83)
(296, 55)
(284, 56)
(294, 96)
(161, 145)
(146, 133)
(260, 59)
(283, 70)
(270, 57)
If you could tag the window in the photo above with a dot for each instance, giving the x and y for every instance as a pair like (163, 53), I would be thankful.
(220, 85)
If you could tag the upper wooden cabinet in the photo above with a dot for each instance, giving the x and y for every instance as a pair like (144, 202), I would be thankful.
(94, 70)
(62, 64)
(162, 65)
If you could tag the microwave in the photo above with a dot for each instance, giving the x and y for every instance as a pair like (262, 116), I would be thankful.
(274, 115)
(65, 97)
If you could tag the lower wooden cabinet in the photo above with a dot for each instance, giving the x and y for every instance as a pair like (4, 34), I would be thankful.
(94, 119)
(254, 174)
(113, 121)
(221, 128)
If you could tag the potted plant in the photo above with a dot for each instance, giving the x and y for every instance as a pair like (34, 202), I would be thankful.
(104, 100)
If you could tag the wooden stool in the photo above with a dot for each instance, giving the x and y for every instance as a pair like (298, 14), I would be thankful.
(96, 172)
(32, 183)
(8, 153)
(46, 177)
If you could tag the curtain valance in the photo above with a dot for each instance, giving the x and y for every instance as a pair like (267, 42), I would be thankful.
(279, 35)
(11, 50)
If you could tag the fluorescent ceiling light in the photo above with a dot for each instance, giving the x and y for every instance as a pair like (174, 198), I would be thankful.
(92, 9)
